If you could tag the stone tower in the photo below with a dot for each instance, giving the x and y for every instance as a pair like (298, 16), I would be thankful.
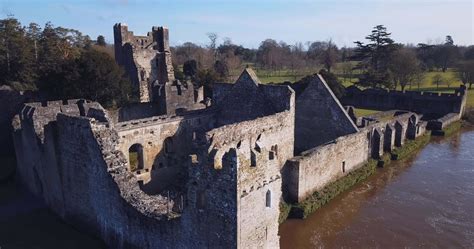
(147, 61)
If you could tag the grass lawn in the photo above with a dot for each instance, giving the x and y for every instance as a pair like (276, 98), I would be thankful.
(364, 112)
(428, 86)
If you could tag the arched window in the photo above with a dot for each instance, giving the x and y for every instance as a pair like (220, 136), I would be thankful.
(268, 199)
(135, 157)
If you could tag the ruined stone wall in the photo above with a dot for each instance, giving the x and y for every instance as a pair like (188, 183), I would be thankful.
(437, 104)
(179, 97)
(442, 122)
(135, 111)
(319, 116)
(166, 143)
(247, 99)
(254, 152)
(35, 138)
(74, 162)
(315, 168)
(137, 55)
(147, 60)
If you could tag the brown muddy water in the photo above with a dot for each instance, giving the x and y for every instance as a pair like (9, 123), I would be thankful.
(424, 202)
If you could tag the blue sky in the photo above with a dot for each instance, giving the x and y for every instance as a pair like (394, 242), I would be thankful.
(248, 22)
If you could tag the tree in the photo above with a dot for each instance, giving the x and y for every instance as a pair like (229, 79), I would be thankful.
(333, 83)
(206, 78)
(221, 69)
(347, 71)
(447, 53)
(469, 54)
(213, 43)
(329, 57)
(101, 41)
(465, 72)
(190, 68)
(268, 54)
(95, 76)
(34, 34)
(17, 55)
(404, 68)
(374, 58)
(437, 80)
(426, 53)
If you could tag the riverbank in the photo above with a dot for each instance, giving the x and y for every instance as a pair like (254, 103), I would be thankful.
(320, 198)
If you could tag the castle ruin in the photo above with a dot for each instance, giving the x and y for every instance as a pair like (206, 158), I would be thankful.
(147, 61)
(206, 176)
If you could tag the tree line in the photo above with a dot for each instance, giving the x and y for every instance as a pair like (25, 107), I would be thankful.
(378, 62)
(60, 63)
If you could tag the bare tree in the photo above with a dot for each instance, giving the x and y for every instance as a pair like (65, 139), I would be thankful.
(330, 55)
(347, 68)
(465, 72)
(213, 43)
(437, 80)
(404, 68)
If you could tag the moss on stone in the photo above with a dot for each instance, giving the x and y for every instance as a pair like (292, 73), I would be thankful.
(453, 128)
(411, 146)
(284, 211)
(319, 198)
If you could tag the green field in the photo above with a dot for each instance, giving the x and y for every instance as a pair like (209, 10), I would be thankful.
(364, 112)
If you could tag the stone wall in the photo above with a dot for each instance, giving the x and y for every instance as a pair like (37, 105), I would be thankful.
(11, 102)
(75, 164)
(166, 143)
(247, 99)
(201, 184)
(315, 168)
(441, 123)
(319, 115)
(256, 150)
(428, 103)
(147, 61)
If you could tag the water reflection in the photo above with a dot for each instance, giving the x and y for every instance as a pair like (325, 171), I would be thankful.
(427, 201)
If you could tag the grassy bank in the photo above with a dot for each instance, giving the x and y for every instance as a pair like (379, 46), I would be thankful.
(320, 198)
(453, 128)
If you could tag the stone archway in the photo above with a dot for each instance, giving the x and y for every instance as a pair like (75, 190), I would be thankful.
(135, 158)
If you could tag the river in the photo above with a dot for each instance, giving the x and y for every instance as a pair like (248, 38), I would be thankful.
(426, 201)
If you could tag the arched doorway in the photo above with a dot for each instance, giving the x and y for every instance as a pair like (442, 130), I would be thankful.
(135, 157)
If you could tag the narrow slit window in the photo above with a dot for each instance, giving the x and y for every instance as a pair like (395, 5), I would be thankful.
(268, 199)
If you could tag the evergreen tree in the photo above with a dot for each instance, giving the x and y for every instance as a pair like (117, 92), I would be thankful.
(375, 57)
(101, 41)
(17, 63)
